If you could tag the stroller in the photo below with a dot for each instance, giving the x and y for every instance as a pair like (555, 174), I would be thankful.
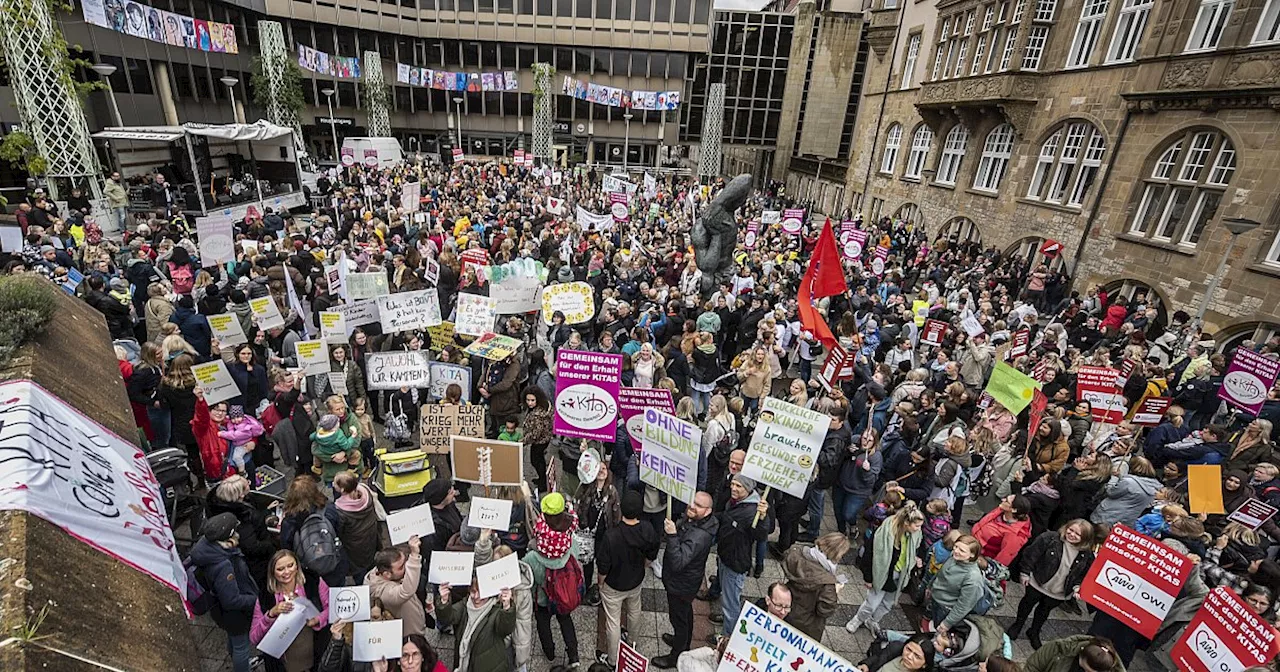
(978, 637)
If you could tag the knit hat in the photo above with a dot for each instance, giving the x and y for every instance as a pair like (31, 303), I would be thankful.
(469, 535)
(219, 527)
(565, 274)
(435, 491)
(329, 422)
(119, 284)
(745, 482)
(632, 505)
(235, 412)
(553, 504)
(46, 248)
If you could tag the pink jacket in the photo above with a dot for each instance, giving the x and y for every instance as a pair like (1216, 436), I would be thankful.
(241, 432)
(262, 622)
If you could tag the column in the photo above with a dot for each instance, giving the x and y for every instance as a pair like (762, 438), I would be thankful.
(712, 121)
(164, 89)
(376, 97)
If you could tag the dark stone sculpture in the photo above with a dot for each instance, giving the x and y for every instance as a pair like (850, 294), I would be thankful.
(715, 234)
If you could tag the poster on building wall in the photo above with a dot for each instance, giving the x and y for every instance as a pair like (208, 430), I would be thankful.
(157, 25)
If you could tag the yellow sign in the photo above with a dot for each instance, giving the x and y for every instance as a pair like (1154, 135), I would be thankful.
(333, 326)
(441, 335)
(494, 347)
(1204, 488)
(313, 357)
(575, 299)
(921, 310)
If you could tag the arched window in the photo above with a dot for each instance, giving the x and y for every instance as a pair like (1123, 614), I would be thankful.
(1068, 163)
(1259, 333)
(909, 213)
(995, 158)
(892, 143)
(952, 154)
(960, 230)
(1028, 249)
(1137, 293)
(920, 143)
(1185, 187)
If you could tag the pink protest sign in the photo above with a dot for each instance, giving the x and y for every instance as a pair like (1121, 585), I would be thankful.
(631, 404)
(587, 385)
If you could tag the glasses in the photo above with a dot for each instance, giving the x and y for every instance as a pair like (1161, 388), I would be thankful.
(1258, 603)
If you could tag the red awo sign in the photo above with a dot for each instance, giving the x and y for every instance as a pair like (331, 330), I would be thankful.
(1151, 411)
(1135, 579)
(1101, 387)
(1225, 635)
(933, 332)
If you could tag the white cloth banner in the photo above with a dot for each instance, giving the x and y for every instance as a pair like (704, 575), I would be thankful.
(589, 221)
(411, 196)
(650, 186)
(60, 465)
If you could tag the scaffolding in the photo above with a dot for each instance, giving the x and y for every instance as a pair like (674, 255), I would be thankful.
(542, 73)
(712, 125)
(376, 96)
(275, 59)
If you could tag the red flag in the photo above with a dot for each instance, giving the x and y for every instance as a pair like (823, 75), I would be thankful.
(824, 277)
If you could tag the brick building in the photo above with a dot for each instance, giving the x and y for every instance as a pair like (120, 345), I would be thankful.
(1129, 130)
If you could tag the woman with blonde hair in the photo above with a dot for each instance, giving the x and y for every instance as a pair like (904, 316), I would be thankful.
(716, 441)
(1053, 567)
(893, 558)
(177, 394)
(756, 376)
(1252, 446)
(646, 365)
(958, 587)
(285, 582)
(173, 344)
(814, 577)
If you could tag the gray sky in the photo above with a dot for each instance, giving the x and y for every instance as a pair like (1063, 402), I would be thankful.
(751, 5)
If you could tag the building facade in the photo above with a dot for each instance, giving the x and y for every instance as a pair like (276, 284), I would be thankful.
(1131, 131)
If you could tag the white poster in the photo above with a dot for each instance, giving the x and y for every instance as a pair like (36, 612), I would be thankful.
(286, 627)
(443, 375)
(575, 299)
(313, 357)
(333, 326)
(227, 329)
(349, 603)
(593, 222)
(60, 465)
(216, 236)
(409, 311)
(367, 285)
(374, 640)
(770, 216)
(784, 447)
(972, 326)
(216, 381)
(404, 524)
(338, 381)
(490, 514)
(453, 568)
(475, 314)
(358, 314)
(669, 454)
(517, 294)
(501, 573)
(266, 313)
(397, 369)
(411, 196)
(555, 205)
(763, 642)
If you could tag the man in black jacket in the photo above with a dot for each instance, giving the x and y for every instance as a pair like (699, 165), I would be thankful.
(744, 523)
(221, 569)
(621, 561)
(683, 566)
(116, 313)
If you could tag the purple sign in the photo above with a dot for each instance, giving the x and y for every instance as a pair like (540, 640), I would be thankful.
(793, 221)
(587, 385)
(1248, 379)
(632, 401)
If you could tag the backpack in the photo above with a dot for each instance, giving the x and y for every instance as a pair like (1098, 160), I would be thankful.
(316, 544)
(727, 444)
(564, 587)
(200, 599)
(181, 277)
(993, 588)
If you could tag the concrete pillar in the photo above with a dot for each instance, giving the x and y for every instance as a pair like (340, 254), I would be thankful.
(238, 113)
(165, 90)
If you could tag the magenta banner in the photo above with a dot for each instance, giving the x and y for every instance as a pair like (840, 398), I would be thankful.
(1248, 379)
(631, 404)
(587, 385)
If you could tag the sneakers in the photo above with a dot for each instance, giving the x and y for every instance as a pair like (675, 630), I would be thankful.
(853, 625)
(657, 568)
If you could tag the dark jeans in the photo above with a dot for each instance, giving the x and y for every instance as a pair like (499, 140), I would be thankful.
(680, 609)
(538, 456)
(543, 617)
(1126, 640)
(1043, 604)
(193, 459)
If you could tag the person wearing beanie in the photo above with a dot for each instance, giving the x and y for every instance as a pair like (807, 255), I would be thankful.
(193, 326)
(621, 558)
(441, 497)
(683, 565)
(224, 574)
(332, 449)
(554, 550)
(744, 522)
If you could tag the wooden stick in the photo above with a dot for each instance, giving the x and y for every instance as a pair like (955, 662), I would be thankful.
(767, 489)
(669, 507)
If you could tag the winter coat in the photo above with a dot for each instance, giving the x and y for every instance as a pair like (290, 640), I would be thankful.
(115, 313)
(1126, 499)
(539, 564)
(522, 597)
(195, 329)
(252, 384)
(360, 530)
(974, 363)
(224, 572)
(505, 397)
(1042, 557)
(325, 446)
(1079, 429)
(488, 652)
(158, 310)
(257, 543)
(1079, 496)
(1046, 506)
(832, 455)
(1244, 461)
(737, 537)
(401, 597)
(262, 622)
(858, 476)
(706, 368)
(813, 591)
(1000, 539)
(1060, 655)
(883, 559)
(957, 589)
(213, 448)
(685, 558)
(1050, 459)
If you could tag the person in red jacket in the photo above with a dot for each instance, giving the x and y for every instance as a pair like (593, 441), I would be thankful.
(204, 425)
(1005, 530)
(1116, 313)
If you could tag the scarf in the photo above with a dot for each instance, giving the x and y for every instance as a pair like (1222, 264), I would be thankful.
(474, 616)
(826, 563)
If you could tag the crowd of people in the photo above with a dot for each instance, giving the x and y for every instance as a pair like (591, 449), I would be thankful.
(913, 447)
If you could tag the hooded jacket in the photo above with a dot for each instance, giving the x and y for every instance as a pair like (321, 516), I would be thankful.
(737, 537)
(957, 589)
(1000, 539)
(358, 527)
(324, 445)
(115, 313)
(685, 559)
(225, 572)
(621, 558)
(1042, 557)
(833, 453)
(194, 328)
(257, 543)
(813, 591)
(401, 597)
(1060, 655)
(1126, 500)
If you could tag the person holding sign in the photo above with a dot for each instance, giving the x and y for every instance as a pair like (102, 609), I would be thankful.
(744, 522)
(481, 626)
(416, 655)
(250, 376)
(285, 583)
(394, 581)
(683, 565)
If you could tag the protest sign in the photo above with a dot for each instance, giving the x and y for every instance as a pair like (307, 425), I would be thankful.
(216, 381)
(494, 347)
(1151, 411)
(793, 221)
(217, 240)
(374, 640)
(669, 457)
(517, 294)
(358, 314)
(1225, 635)
(489, 514)
(590, 221)
(475, 314)
(1204, 488)
(770, 216)
(784, 446)
(286, 627)
(349, 603)
(574, 299)
(393, 370)
(618, 207)
(632, 403)
(441, 421)
(227, 329)
(1248, 379)
(630, 660)
(367, 285)
(409, 522)
(443, 375)
(409, 311)
(972, 326)
(1020, 342)
(1039, 402)
(834, 367)
(586, 403)
(338, 381)
(1101, 387)
(411, 196)
(486, 462)
(441, 335)
(1135, 579)
(933, 332)
(313, 357)
(878, 260)
(853, 244)
(753, 233)
(451, 567)
(501, 573)
(333, 327)
(1011, 387)
(266, 313)
(1254, 513)
(920, 311)
(764, 643)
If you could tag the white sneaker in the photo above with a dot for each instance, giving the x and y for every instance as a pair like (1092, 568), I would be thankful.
(853, 625)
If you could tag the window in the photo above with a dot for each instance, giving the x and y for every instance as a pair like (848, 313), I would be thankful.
(978, 50)
(995, 158)
(892, 142)
(909, 63)
(920, 143)
(1129, 27)
(943, 36)
(964, 50)
(1036, 38)
(1185, 188)
(1045, 9)
(1010, 41)
(1092, 15)
(952, 154)
(1211, 20)
(1067, 165)
(1268, 24)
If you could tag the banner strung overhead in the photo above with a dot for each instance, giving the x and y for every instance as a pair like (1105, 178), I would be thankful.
(445, 80)
(614, 97)
(335, 66)
(157, 25)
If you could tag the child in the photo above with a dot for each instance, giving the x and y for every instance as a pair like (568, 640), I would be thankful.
(241, 431)
(1164, 511)
(937, 522)
(366, 434)
(939, 553)
(511, 431)
(331, 448)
